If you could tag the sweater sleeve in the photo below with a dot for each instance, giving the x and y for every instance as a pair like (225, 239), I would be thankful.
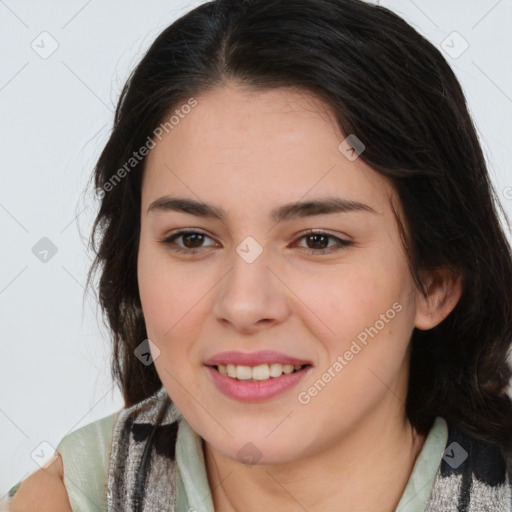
(85, 455)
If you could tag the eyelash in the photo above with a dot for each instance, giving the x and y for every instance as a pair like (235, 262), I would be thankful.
(342, 244)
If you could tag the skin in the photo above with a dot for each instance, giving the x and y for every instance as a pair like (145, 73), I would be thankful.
(351, 447)
(43, 490)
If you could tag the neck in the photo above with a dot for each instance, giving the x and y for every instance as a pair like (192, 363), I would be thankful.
(366, 468)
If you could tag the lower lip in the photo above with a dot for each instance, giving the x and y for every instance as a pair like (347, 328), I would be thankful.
(259, 390)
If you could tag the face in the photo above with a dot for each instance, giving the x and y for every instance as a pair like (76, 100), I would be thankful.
(341, 298)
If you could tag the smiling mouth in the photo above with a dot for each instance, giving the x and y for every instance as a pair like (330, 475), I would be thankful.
(259, 373)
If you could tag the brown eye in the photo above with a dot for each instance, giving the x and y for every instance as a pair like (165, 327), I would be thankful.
(191, 241)
(317, 242)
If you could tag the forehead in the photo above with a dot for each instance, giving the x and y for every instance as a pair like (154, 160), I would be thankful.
(246, 146)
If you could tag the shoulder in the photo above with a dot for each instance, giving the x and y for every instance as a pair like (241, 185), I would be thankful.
(42, 491)
(94, 436)
(85, 455)
(80, 465)
(473, 470)
(469, 455)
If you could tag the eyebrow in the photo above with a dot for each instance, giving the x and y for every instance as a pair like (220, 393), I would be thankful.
(328, 205)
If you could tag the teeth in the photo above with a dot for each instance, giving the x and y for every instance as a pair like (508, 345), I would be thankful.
(260, 372)
(276, 370)
(231, 370)
(243, 372)
(288, 368)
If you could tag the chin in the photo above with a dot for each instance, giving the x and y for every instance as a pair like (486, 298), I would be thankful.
(254, 452)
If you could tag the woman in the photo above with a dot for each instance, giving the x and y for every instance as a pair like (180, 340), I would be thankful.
(305, 276)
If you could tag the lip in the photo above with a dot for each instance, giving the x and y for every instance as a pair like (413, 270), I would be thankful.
(254, 358)
(256, 391)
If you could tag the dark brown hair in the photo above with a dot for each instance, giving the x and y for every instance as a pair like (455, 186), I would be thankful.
(395, 91)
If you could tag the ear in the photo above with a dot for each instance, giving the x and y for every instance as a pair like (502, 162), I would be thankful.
(444, 289)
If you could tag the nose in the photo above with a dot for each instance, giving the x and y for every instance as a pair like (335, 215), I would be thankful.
(251, 296)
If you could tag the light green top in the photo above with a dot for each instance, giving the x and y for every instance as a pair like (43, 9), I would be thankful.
(85, 455)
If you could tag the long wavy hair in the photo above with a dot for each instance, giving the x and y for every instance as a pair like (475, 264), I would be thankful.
(395, 91)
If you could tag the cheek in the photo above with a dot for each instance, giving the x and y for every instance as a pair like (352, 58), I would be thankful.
(159, 291)
(361, 308)
(348, 298)
(172, 296)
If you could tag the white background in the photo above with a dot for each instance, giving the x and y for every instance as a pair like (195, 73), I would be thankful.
(55, 116)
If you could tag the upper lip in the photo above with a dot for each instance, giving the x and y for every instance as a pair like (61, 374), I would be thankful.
(254, 358)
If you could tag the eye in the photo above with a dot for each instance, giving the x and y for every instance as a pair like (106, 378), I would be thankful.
(193, 242)
(318, 239)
